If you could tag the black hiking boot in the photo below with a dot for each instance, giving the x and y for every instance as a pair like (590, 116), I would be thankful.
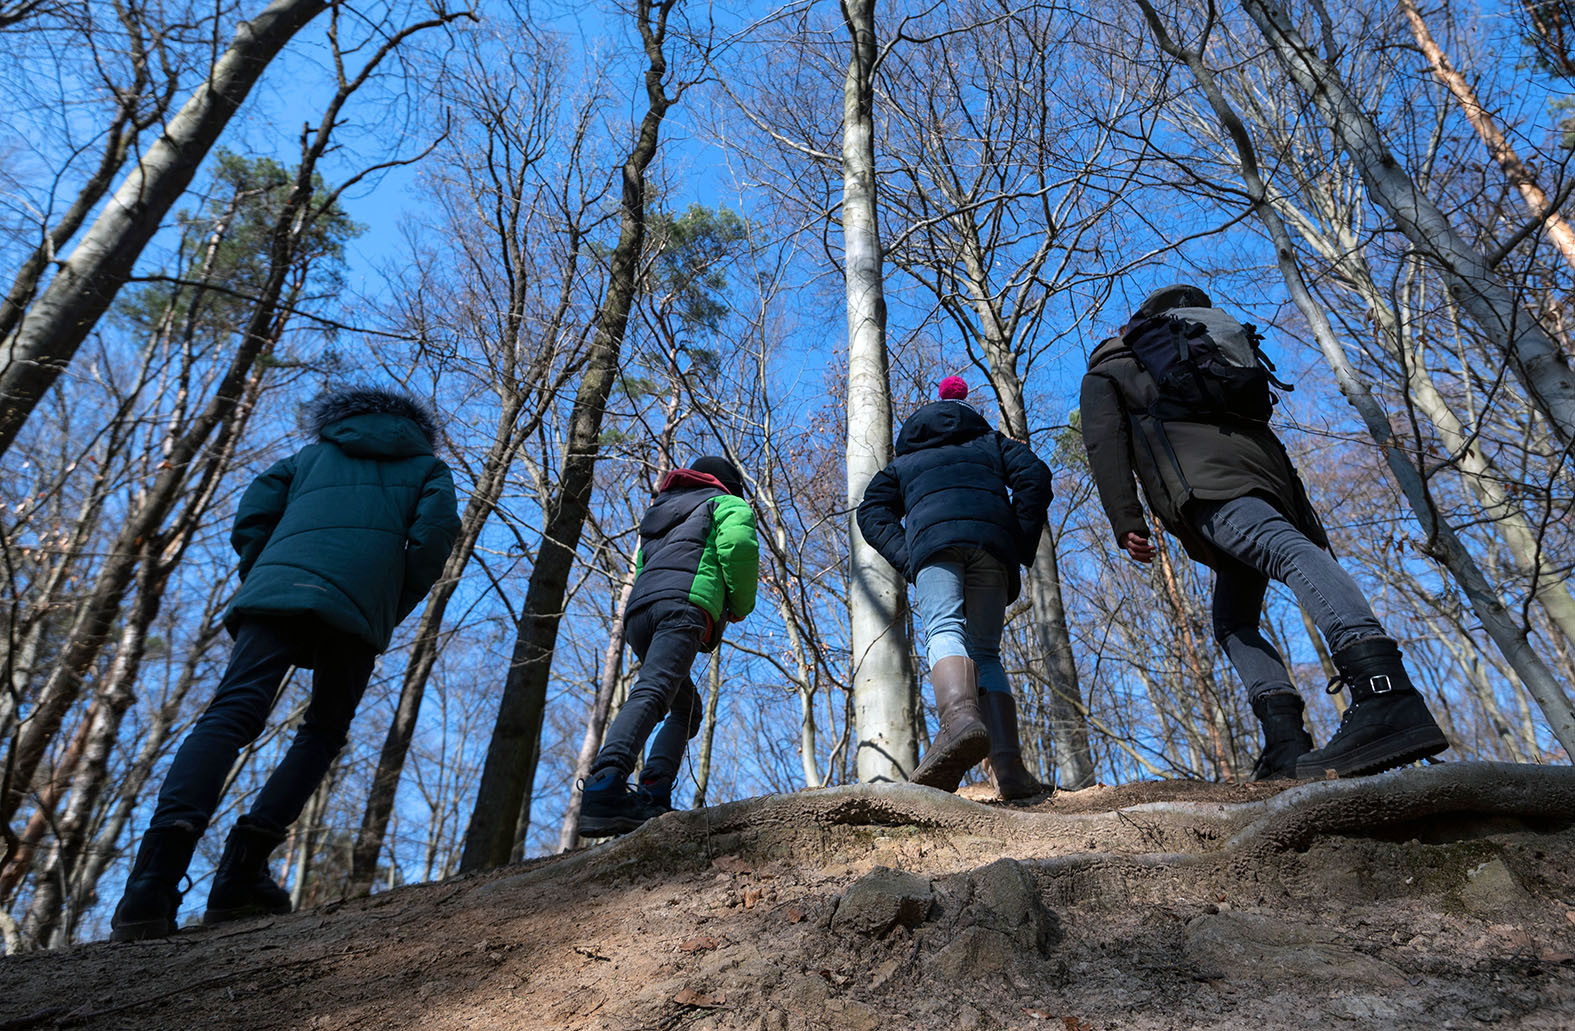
(1387, 725)
(1011, 778)
(241, 885)
(608, 807)
(962, 740)
(656, 793)
(152, 896)
(1285, 737)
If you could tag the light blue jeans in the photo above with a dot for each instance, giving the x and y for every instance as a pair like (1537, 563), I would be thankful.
(961, 598)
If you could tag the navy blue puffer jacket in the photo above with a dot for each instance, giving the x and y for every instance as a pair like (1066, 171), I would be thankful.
(955, 481)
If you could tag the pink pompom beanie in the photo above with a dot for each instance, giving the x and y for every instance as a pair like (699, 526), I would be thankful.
(954, 388)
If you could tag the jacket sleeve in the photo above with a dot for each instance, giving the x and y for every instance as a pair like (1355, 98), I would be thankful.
(1107, 436)
(880, 520)
(261, 508)
(739, 551)
(1029, 480)
(430, 538)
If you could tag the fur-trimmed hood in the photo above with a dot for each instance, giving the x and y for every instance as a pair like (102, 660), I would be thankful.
(374, 422)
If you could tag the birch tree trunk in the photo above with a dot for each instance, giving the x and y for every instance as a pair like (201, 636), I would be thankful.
(1535, 358)
(104, 848)
(601, 708)
(1519, 174)
(505, 785)
(1442, 542)
(884, 691)
(48, 336)
(712, 696)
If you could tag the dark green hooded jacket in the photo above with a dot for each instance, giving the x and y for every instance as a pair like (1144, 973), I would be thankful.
(354, 529)
(1177, 462)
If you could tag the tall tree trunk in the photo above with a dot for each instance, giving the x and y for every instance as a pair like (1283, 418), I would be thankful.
(713, 696)
(424, 652)
(505, 786)
(596, 722)
(1068, 715)
(91, 775)
(1515, 170)
(884, 689)
(104, 849)
(50, 333)
(1532, 354)
(1442, 542)
(1201, 673)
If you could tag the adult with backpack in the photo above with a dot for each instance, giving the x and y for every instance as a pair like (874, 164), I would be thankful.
(338, 544)
(696, 571)
(956, 512)
(1183, 400)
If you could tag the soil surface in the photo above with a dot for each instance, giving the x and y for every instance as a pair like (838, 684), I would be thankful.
(1428, 898)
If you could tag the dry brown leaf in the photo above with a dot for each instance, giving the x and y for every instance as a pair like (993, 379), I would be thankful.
(1038, 1014)
(1078, 1024)
(1569, 914)
(690, 997)
(699, 944)
(795, 915)
(751, 896)
(732, 864)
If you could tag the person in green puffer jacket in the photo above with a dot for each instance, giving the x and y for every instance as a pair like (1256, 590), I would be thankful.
(338, 543)
(696, 571)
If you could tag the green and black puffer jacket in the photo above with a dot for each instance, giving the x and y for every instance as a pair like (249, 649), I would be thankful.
(698, 545)
(354, 529)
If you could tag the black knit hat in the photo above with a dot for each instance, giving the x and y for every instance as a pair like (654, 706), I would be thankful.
(725, 472)
(1180, 295)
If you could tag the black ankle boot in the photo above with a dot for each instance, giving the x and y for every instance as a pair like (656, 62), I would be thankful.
(1285, 737)
(1387, 725)
(656, 792)
(241, 885)
(152, 896)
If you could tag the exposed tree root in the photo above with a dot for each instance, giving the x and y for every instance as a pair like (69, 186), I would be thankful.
(1119, 843)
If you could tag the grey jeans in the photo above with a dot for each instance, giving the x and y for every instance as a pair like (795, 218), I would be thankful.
(1262, 544)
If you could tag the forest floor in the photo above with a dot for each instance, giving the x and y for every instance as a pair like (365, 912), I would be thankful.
(1441, 897)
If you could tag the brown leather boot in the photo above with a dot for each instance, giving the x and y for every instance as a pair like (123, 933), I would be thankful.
(1011, 778)
(962, 740)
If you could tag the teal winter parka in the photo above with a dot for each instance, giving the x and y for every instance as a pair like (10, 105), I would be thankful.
(354, 529)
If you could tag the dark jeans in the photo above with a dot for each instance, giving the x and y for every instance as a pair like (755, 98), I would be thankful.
(1264, 544)
(666, 636)
(264, 651)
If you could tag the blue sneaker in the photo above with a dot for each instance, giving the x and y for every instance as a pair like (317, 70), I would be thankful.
(608, 807)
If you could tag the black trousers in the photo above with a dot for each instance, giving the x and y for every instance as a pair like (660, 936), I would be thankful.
(265, 649)
(667, 637)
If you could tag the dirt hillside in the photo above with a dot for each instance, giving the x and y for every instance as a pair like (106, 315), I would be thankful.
(1428, 898)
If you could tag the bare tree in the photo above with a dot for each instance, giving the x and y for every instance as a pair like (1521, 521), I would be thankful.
(505, 779)
(884, 688)
(46, 338)
(1532, 354)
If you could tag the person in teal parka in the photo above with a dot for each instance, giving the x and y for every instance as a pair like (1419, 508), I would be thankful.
(338, 543)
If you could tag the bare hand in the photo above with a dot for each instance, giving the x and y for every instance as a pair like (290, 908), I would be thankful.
(1138, 547)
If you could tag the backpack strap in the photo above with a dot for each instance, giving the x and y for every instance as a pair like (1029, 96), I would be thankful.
(1263, 359)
